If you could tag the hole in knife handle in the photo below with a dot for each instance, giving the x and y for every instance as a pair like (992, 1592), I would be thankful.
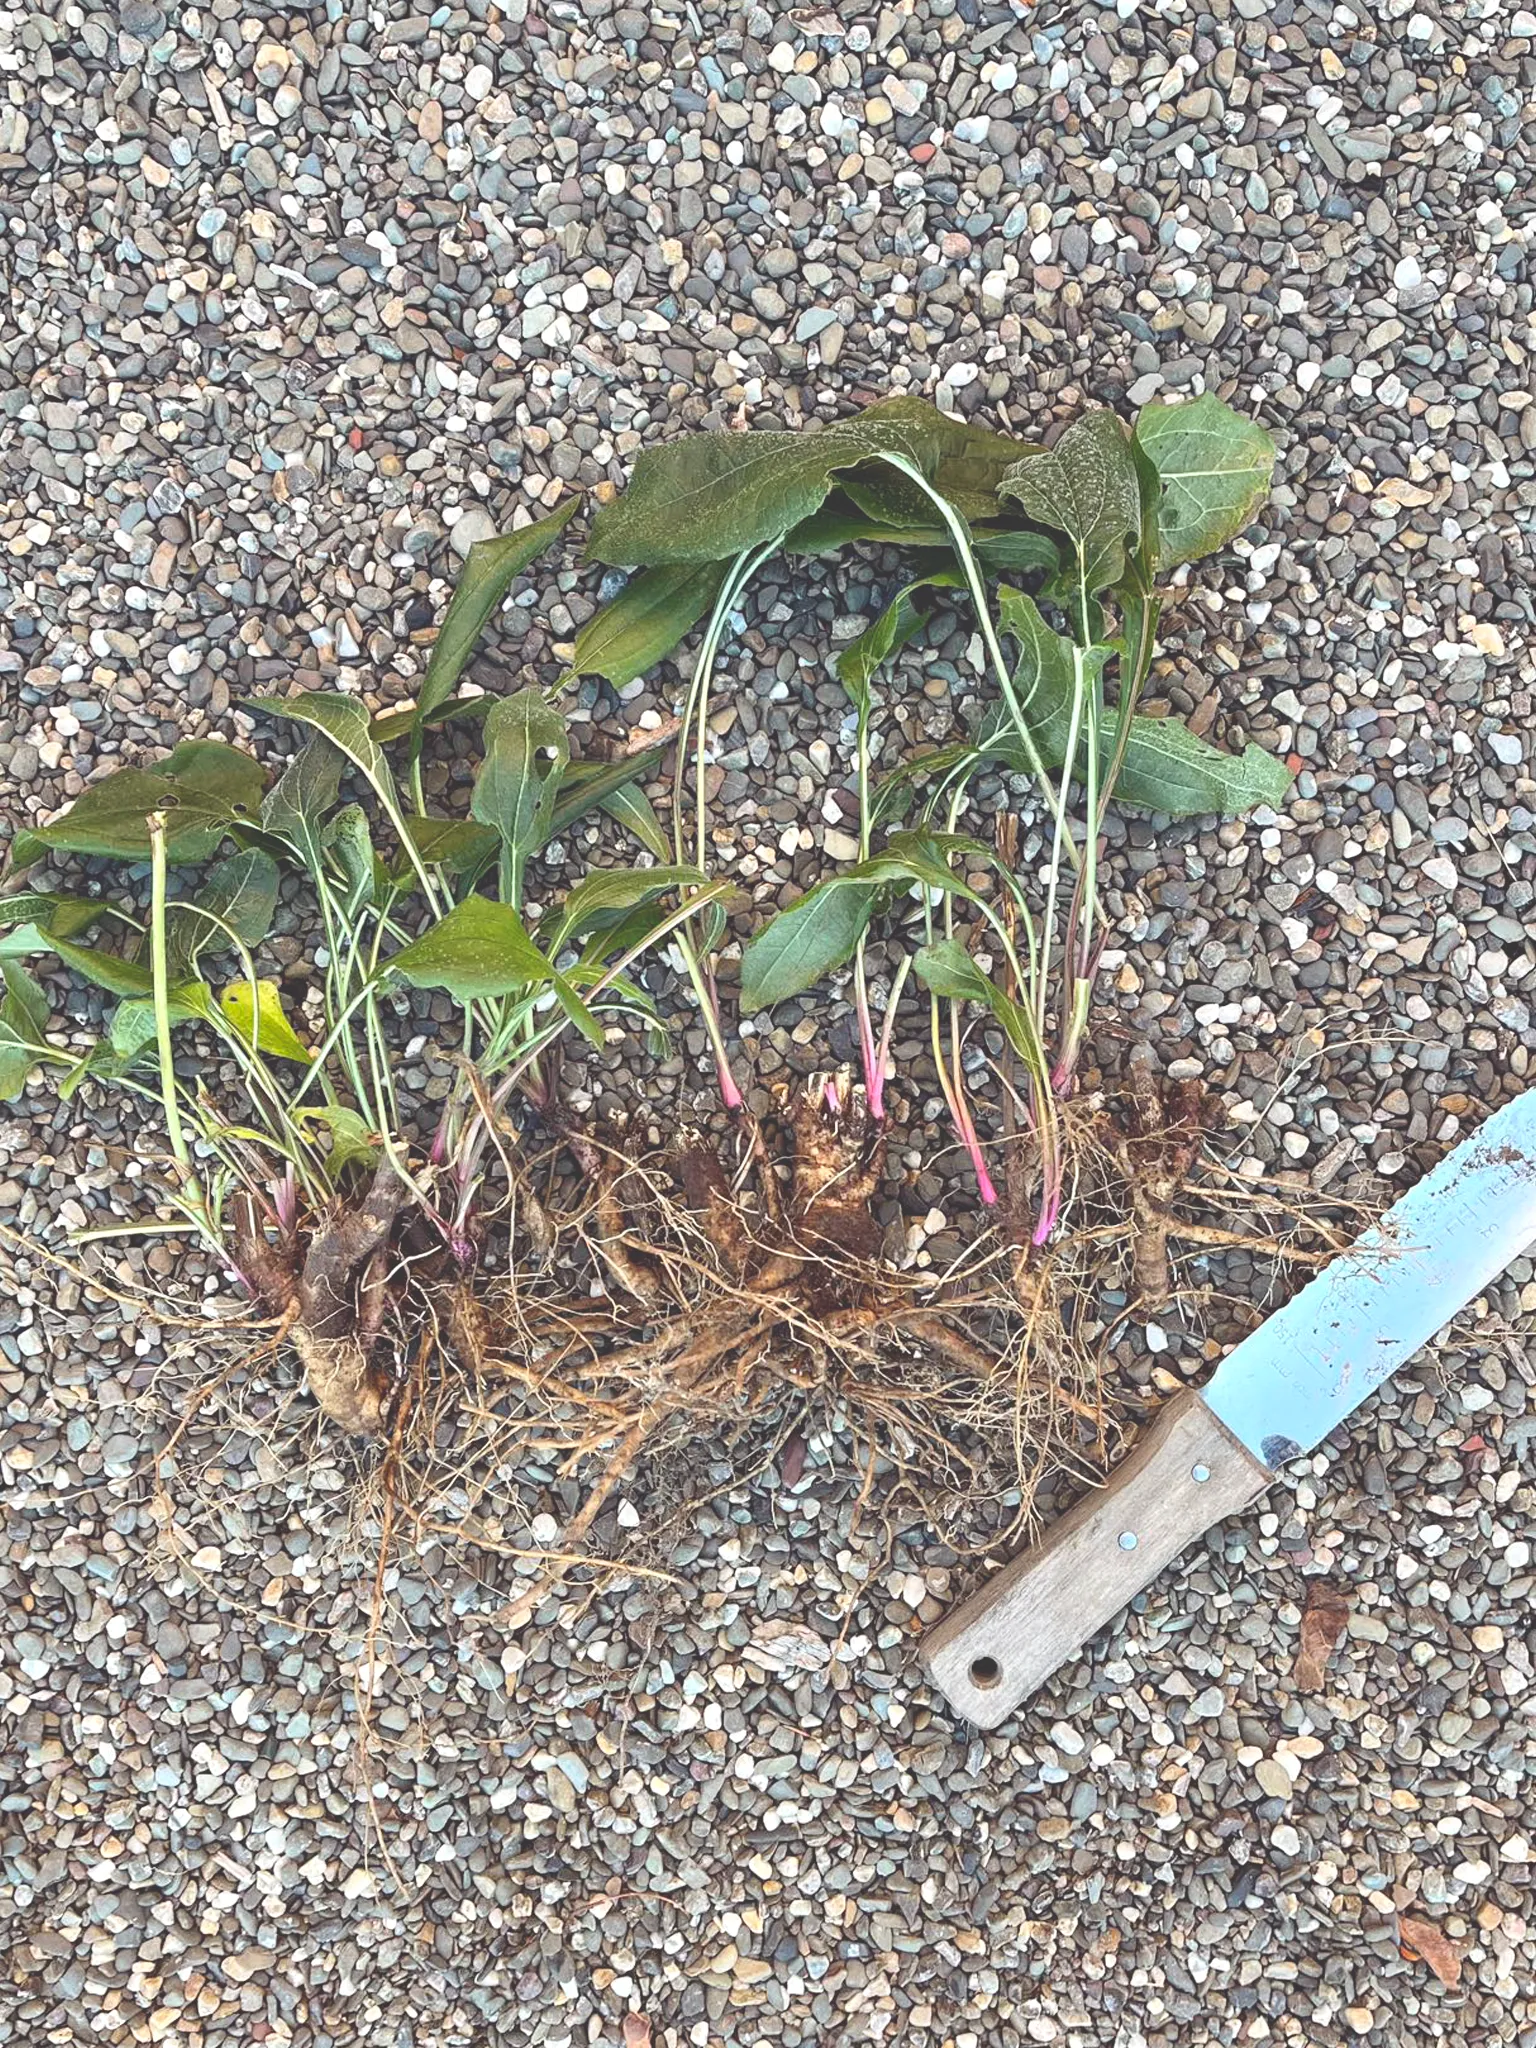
(986, 1673)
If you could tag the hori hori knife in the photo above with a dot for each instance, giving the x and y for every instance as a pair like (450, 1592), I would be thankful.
(1276, 1396)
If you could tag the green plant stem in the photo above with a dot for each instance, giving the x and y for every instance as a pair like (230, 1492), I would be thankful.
(192, 1186)
(694, 725)
(887, 1027)
(1084, 915)
(960, 539)
(869, 1052)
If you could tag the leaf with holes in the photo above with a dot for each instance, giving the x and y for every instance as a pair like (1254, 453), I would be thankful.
(202, 788)
(526, 753)
(260, 1021)
(1086, 489)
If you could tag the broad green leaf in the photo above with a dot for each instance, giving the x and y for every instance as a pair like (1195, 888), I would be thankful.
(707, 497)
(23, 940)
(1214, 468)
(299, 802)
(610, 937)
(809, 939)
(840, 522)
(202, 787)
(922, 858)
(344, 721)
(259, 1019)
(26, 1008)
(1017, 550)
(967, 465)
(18, 1062)
(647, 619)
(526, 754)
(947, 969)
(131, 1032)
(897, 625)
(240, 892)
(1166, 767)
(960, 759)
(709, 928)
(479, 949)
(586, 784)
(395, 725)
(1048, 673)
(612, 889)
(619, 992)
(107, 970)
(1085, 488)
(1136, 593)
(23, 1029)
(488, 574)
(47, 911)
(353, 1142)
(630, 807)
(465, 849)
(482, 949)
(347, 842)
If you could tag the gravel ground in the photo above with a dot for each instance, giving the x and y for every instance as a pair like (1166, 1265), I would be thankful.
(299, 304)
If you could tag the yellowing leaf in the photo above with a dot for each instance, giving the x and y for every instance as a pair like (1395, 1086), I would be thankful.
(263, 1021)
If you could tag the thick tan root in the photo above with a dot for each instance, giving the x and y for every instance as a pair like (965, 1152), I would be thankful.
(346, 1385)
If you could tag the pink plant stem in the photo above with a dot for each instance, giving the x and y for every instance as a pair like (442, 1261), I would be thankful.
(874, 1068)
(730, 1094)
(965, 1130)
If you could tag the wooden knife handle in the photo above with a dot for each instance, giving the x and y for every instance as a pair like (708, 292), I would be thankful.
(1185, 1473)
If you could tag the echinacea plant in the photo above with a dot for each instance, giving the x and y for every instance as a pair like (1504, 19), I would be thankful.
(1095, 525)
(305, 1183)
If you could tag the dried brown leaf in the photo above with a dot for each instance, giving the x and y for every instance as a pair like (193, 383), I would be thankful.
(1323, 1621)
(1423, 1939)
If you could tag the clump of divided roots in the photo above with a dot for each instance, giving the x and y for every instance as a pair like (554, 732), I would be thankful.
(633, 1297)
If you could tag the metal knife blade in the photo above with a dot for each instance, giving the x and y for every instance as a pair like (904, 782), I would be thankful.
(1332, 1345)
(1210, 1454)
